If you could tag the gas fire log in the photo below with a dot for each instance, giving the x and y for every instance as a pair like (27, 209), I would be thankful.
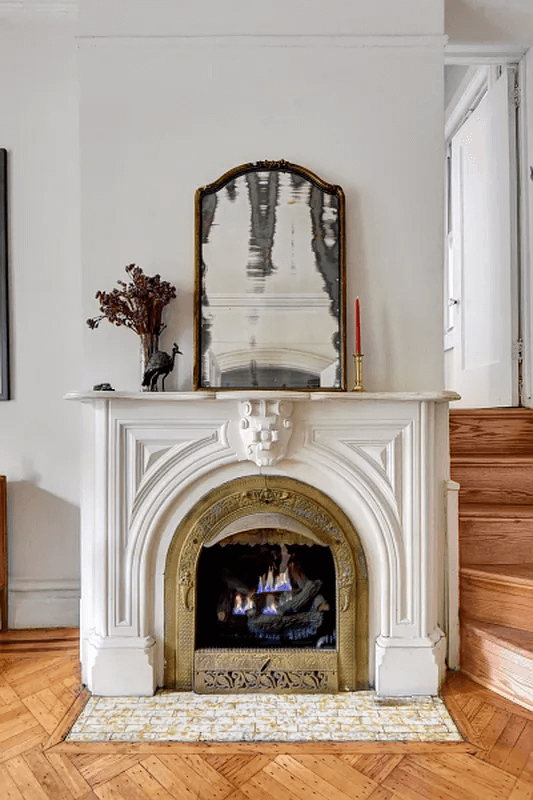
(225, 602)
(298, 617)
(302, 598)
(303, 625)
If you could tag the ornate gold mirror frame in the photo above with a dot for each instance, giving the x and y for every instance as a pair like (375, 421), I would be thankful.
(270, 280)
(304, 504)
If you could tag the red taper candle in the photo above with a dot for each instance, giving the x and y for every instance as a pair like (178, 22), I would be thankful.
(357, 326)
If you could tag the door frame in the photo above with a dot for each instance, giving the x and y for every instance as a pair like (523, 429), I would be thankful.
(522, 59)
(525, 123)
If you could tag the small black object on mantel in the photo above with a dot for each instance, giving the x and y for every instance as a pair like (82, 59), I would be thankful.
(160, 364)
(103, 387)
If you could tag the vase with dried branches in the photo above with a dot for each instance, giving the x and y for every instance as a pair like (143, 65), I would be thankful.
(137, 305)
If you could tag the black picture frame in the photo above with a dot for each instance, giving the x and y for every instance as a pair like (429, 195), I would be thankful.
(4, 301)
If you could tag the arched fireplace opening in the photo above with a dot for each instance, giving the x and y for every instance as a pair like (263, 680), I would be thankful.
(261, 589)
(266, 589)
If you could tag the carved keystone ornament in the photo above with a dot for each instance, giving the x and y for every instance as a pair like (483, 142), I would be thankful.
(266, 429)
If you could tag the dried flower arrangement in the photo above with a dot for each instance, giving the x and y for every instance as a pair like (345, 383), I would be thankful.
(137, 305)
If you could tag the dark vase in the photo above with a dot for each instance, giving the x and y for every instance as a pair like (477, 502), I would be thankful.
(149, 345)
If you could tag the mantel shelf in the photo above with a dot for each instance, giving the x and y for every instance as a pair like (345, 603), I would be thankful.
(242, 394)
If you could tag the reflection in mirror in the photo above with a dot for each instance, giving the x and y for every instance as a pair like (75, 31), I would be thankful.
(270, 280)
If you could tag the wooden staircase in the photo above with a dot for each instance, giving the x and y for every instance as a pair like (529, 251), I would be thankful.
(492, 460)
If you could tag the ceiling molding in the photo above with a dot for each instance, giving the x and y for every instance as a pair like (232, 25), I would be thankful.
(466, 54)
(17, 10)
(255, 41)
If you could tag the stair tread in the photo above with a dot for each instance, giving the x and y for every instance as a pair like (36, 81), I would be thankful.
(495, 510)
(512, 573)
(503, 459)
(503, 411)
(494, 430)
(521, 641)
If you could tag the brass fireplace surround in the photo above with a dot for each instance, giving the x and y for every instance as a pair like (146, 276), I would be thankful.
(345, 669)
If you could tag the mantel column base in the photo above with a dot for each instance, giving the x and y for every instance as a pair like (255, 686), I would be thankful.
(120, 666)
(410, 667)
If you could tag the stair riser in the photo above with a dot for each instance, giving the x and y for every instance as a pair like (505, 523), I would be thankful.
(495, 602)
(497, 668)
(495, 541)
(506, 433)
(497, 655)
(494, 483)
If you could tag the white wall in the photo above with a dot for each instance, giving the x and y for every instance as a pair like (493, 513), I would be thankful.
(161, 116)
(255, 17)
(39, 431)
(497, 21)
(453, 75)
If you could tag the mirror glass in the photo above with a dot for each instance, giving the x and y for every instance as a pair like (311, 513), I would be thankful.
(270, 280)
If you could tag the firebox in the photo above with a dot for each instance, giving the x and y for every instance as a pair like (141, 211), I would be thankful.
(266, 590)
(266, 593)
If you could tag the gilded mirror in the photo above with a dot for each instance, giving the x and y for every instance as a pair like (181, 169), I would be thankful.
(270, 278)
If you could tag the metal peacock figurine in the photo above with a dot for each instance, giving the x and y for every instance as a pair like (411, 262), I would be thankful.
(160, 364)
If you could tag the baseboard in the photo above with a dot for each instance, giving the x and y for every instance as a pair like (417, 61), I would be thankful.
(35, 603)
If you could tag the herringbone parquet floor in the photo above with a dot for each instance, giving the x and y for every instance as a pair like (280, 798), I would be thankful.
(39, 696)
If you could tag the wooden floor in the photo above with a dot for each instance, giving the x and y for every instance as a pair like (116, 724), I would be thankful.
(40, 696)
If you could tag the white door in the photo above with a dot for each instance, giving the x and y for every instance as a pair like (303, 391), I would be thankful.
(483, 314)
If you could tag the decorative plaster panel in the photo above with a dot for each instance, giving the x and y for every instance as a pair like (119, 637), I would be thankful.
(145, 451)
(390, 473)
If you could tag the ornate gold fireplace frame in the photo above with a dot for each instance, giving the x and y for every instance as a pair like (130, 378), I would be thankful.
(295, 670)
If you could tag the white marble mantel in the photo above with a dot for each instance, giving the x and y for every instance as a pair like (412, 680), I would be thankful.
(245, 394)
(148, 458)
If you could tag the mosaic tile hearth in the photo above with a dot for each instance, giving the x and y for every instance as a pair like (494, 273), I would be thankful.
(190, 717)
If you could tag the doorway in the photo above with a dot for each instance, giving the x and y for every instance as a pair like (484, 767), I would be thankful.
(482, 266)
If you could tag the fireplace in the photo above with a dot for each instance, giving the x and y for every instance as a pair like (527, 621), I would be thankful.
(266, 589)
(264, 541)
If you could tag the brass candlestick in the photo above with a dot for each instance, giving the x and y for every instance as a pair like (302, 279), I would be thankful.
(358, 364)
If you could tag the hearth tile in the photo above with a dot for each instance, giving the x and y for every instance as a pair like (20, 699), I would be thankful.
(160, 720)
(91, 737)
(189, 717)
(279, 730)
